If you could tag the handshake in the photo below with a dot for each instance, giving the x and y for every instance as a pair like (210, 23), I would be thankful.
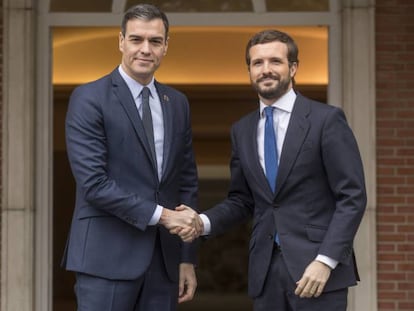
(183, 221)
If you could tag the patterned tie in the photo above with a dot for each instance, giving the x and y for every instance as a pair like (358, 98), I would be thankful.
(270, 149)
(147, 121)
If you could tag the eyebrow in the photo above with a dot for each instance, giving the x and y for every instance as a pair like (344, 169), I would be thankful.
(150, 38)
(270, 58)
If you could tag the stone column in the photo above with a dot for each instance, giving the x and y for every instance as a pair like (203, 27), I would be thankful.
(17, 226)
(358, 93)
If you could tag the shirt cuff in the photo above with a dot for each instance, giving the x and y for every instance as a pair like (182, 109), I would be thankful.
(156, 216)
(332, 263)
(206, 224)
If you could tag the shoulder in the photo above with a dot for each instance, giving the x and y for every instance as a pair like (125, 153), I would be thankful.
(313, 107)
(254, 115)
(168, 93)
(246, 122)
(91, 96)
(94, 88)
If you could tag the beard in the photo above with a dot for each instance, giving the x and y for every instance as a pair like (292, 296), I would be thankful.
(272, 92)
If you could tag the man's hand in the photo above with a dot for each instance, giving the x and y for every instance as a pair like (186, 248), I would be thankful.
(187, 234)
(184, 221)
(313, 280)
(187, 282)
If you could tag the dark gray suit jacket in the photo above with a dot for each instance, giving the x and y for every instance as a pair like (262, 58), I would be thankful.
(319, 201)
(117, 186)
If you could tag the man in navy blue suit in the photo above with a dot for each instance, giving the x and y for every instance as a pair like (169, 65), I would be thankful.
(129, 143)
(296, 169)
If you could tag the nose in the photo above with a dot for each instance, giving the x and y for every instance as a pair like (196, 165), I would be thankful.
(266, 68)
(145, 47)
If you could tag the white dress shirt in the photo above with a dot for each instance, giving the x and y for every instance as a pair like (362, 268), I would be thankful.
(157, 123)
(281, 116)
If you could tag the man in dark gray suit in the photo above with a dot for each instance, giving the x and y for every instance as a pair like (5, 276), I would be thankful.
(129, 143)
(295, 168)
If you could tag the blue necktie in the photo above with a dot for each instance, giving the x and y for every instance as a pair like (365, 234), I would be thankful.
(270, 149)
(270, 154)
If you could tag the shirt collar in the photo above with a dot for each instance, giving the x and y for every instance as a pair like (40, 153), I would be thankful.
(134, 86)
(284, 103)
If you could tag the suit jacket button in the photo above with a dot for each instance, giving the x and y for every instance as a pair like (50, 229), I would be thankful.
(274, 205)
(270, 236)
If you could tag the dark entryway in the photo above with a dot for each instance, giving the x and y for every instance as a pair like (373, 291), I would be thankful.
(222, 271)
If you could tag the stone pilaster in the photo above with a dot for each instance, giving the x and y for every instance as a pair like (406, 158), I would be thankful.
(358, 93)
(17, 245)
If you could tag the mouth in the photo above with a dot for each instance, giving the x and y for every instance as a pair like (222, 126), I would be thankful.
(144, 60)
(267, 79)
(267, 82)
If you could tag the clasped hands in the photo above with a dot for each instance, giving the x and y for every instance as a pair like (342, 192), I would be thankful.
(183, 221)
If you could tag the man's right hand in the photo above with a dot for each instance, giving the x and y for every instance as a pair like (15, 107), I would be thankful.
(183, 221)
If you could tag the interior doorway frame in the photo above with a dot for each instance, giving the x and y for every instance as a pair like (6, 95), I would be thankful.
(351, 51)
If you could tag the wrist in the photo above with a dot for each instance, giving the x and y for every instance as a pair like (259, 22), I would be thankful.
(165, 215)
(324, 264)
(330, 262)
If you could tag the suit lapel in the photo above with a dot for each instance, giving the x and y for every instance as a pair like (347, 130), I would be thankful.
(251, 150)
(295, 135)
(167, 114)
(125, 98)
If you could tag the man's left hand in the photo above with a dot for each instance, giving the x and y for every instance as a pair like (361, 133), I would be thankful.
(188, 282)
(313, 280)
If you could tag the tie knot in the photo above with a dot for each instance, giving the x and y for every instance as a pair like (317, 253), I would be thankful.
(269, 111)
(145, 92)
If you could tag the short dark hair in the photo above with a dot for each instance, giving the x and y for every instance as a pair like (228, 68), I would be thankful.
(267, 36)
(145, 12)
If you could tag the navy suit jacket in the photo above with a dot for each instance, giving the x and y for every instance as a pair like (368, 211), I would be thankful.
(319, 201)
(117, 185)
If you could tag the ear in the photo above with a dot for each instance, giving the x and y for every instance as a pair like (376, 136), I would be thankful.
(166, 45)
(121, 41)
(293, 68)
